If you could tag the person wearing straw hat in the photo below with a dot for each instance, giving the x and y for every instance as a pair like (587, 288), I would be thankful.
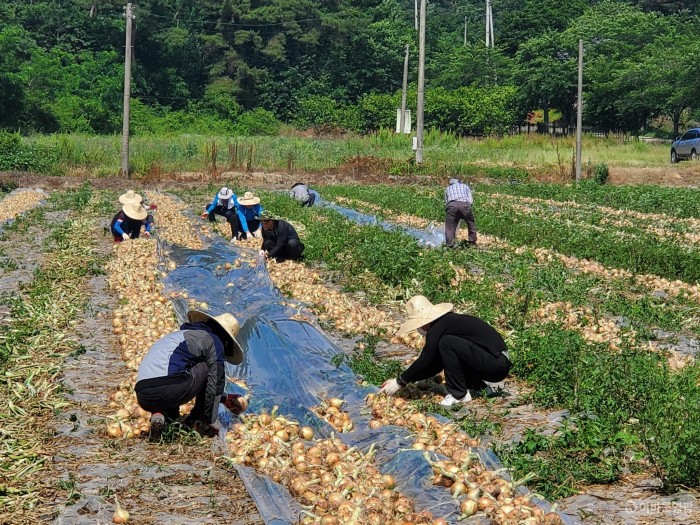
(301, 193)
(127, 223)
(225, 203)
(190, 364)
(130, 197)
(249, 206)
(469, 350)
(280, 239)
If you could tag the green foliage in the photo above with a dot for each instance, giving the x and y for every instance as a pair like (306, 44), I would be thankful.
(15, 155)
(601, 174)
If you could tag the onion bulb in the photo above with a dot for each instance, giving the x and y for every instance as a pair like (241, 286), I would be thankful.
(307, 433)
(336, 402)
(468, 507)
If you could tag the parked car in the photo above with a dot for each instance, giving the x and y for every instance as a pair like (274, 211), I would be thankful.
(687, 146)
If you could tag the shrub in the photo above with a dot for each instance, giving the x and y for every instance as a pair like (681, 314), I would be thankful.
(601, 173)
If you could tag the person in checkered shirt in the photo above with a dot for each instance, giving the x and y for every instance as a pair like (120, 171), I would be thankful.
(458, 201)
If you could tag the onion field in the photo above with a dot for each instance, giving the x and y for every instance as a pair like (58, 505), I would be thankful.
(596, 291)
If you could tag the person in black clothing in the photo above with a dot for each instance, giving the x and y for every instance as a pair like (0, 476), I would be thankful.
(280, 239)
(126, 224)
(469, 350)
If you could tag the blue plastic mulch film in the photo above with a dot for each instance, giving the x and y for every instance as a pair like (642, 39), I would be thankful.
(289, 363)
(433, 235)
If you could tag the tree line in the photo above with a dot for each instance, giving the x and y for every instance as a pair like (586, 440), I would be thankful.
(246, 66)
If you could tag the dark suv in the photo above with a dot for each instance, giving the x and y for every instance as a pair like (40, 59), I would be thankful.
(687, 146)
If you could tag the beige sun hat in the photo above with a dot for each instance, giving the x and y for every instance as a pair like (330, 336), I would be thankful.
(130, 197)
(421, 312)
(135, 211)
(248, 199)
(229, 327)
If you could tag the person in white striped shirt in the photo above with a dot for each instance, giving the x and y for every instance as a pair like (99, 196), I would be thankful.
(458, 201)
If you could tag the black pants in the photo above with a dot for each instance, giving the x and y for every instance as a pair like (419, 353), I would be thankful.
(231, 218)
(292, 250)
(168, 398)
(467, 365)
(253, 225)
(310, 201)
(455, 211)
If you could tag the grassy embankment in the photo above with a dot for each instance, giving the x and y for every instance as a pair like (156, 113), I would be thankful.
(510, 157)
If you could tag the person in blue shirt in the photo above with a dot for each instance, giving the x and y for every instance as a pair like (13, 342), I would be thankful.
(127, 223)
(225, 203)
(249, 206)
(190, 364)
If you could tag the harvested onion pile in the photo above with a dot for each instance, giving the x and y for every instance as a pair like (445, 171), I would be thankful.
(431, 435)
(171, 223)
(18, 203)
(330, 411)
(143, 317)
(482, 490)
(337, 484)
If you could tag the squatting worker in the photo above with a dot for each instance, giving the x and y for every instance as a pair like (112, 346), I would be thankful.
(280, 239)
(458, 201)
(249, 206)
(225, 204)
(301, 193)
(189, 364)
(469, 350)
(127, 223)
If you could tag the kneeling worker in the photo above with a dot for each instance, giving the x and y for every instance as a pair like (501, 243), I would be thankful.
(280, 239)
(469, 350)
(127, 223)
(188, 364)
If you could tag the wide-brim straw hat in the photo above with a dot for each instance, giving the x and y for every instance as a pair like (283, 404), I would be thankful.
(135, 211)
(130, 197)
(248, 199)
(267, 215)
(421, 312)
(225, 193)
(225, 325)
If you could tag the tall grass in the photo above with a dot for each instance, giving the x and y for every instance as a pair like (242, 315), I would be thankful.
(445, 154)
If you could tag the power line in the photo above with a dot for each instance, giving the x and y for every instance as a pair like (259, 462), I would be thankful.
(236, 24)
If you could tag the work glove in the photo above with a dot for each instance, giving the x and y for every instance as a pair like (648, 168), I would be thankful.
(257, 234)
(204, 215)
(147, 234)
(125, 236)
(390, 387)
(263, 254)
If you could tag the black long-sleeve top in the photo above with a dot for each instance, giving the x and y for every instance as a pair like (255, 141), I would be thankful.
(468, 327)
(281, 233)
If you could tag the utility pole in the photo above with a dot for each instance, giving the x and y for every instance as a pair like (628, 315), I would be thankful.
(421, 84)
(488, 24)
(127, 92)
(579, 110)
(491, 23)
(415, 13)
(465, 30)
(402, 118)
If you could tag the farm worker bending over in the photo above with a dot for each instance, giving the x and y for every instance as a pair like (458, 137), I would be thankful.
(458, 199)
(187, 364)
(249, 206)
(469, 350)
(280, 239)
(301, 192)
(225, 204)
(127, 223)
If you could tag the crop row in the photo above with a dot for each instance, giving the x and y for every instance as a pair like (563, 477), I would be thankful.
(642, 254)
(33, 346)
(652, 199)
(567, 370)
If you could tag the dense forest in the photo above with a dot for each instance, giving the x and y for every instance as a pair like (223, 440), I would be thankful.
(247, 66)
